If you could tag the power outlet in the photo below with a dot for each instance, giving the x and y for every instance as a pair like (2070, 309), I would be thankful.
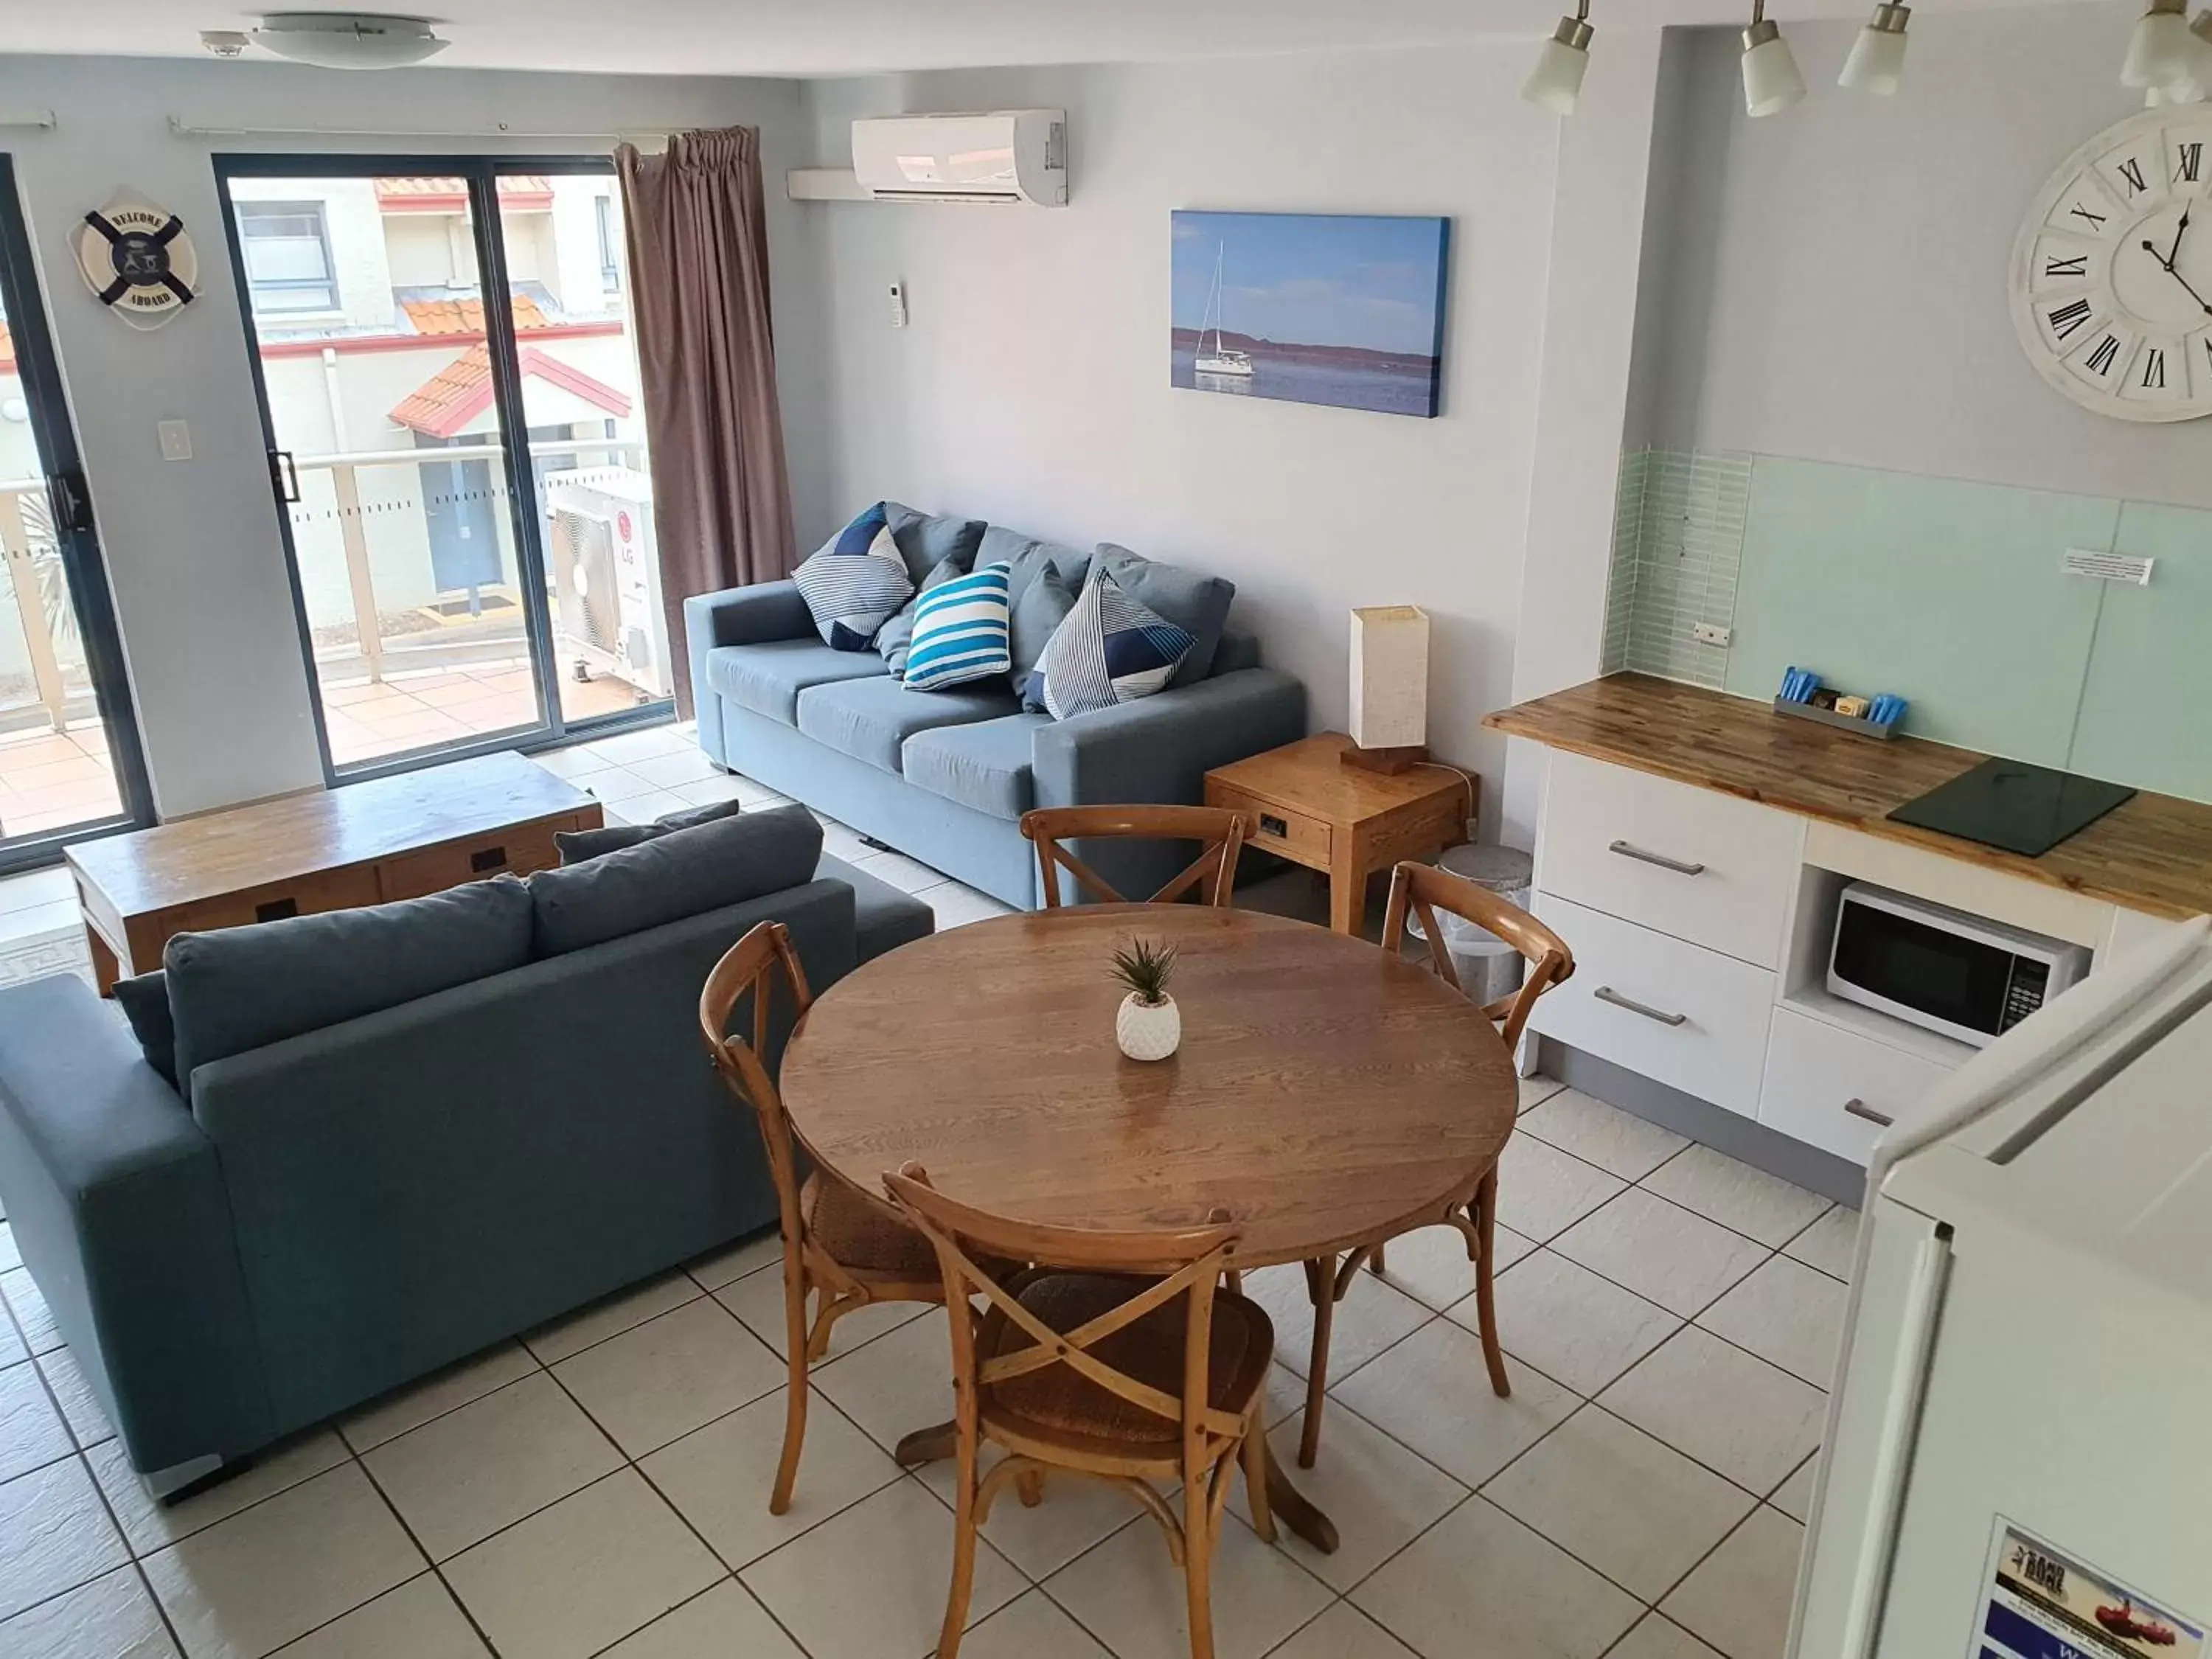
(1711, 633)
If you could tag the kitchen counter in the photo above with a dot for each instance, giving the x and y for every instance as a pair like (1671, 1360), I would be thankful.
(2153, 854)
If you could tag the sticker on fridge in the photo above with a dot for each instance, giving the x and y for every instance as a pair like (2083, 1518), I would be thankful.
(2043, 1603)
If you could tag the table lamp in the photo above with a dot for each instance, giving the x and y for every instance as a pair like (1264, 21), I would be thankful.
(1389, 688)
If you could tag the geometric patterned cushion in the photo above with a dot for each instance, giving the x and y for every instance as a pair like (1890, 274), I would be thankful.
(1110, 650)
(960, 632)
(856, 583)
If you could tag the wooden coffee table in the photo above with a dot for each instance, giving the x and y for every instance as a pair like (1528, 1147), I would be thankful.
(334, 849)
(1301, 802)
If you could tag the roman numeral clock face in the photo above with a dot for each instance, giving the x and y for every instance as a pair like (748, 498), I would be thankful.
(2112, 276)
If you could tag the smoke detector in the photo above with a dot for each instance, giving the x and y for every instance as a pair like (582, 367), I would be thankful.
(337, 39)
(225, 43)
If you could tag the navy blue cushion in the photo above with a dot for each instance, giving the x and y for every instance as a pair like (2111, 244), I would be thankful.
(767, 677)
(144, 1001)
(870, 720)
(1197, 604)
(683, 873)
(240, 988)
(927, 542)
(575, 845)
(985, 765)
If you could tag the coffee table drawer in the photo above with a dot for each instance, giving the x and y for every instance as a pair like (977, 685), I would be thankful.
(1277, 829)
(511, 852)
(328, 890)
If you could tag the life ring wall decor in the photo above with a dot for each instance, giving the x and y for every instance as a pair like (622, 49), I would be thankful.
(139, 261)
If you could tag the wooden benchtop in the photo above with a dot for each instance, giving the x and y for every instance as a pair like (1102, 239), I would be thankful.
(2153, 854)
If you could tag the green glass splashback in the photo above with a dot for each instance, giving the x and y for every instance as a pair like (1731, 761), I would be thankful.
(1949, 593)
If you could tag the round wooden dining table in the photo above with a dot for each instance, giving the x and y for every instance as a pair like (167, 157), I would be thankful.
(1327, 1094)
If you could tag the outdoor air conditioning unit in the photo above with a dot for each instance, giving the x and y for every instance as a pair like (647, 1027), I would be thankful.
(606, 574)
(1011, 155)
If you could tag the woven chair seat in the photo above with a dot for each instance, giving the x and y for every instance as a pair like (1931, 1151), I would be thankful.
(1058, 1400)
(858, 1235)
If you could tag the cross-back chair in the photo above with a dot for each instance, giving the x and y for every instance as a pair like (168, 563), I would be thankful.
(1212, 874)
(841, 1245)
(1123, 1361)
(1423, 890)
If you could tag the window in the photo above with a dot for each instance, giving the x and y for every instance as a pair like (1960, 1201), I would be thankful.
(287, 249)
(610, 249)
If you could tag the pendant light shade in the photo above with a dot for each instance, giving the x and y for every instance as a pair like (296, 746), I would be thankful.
(1877, 59)
(1556, 82)
(2161, 52)
(1771, 80)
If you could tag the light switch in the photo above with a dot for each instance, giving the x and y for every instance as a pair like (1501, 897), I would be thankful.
(176, 441)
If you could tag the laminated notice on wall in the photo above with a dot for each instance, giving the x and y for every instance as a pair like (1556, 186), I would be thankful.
(2043, 1603)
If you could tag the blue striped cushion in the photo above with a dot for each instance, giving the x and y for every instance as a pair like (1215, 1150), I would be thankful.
(856, 583)
(1110, 650)
(960, 632)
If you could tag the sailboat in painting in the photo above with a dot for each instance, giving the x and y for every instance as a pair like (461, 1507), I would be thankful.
(1220, 360)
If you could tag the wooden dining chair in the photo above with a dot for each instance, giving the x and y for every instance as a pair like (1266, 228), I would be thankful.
(1212, 874)
(1123, 1360)
(1423, 890)
(841, 1245)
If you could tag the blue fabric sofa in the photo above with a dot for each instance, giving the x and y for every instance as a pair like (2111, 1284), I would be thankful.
(318, 1218)
(945, 776)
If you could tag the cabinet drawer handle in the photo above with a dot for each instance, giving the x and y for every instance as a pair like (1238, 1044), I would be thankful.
(1606, 993)
(1858, 1108)
(1630, 850)
(1272, 825)
(487, 858)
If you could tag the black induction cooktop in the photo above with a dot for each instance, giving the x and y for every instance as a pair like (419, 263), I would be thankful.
(2023, 809)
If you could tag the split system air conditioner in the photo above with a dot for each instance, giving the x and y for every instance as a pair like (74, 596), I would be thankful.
(607, 575)
(1008, 156)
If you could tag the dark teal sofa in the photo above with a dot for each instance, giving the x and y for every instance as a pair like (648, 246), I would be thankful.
(317, 1219)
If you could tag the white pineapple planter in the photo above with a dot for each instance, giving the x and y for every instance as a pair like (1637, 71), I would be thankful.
(1148, 1032)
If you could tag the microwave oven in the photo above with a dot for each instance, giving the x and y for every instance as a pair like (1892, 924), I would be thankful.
(1970, 979)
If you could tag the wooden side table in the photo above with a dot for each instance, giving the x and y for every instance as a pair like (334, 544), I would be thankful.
(1302, 802)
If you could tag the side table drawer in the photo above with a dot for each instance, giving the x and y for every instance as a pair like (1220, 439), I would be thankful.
(517, 851)
(1277, 829)
(1687, 1017)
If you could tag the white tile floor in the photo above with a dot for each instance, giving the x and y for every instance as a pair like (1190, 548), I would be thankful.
(600, 1487)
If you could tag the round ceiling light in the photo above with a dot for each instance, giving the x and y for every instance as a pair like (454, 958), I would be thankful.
(338, 39)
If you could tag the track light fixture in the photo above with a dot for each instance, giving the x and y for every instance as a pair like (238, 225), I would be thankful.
(1556, 82)
(1771, 80)
(1877, 59)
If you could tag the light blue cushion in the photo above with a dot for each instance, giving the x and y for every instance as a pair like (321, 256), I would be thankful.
(767, 677)
(1037, 616)
(856, 583)
(928, 541)
(1111, 650)
(1197, 604)
(870, 720)
(985, 765)
(1024, 556)
(896, 636)
(960, 632)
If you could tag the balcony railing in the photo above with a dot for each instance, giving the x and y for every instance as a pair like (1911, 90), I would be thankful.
(40, 655)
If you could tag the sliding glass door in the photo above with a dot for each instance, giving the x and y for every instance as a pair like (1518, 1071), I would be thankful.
(69, 764)
(450, 398)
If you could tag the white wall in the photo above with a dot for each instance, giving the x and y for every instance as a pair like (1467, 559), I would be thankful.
(193, 550)
(1838, 284)
(1031, 387)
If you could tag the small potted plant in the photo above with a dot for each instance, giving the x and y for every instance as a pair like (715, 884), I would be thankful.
(1149, 1025)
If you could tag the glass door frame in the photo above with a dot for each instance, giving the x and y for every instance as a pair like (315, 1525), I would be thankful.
(480, 173)
(76, 539)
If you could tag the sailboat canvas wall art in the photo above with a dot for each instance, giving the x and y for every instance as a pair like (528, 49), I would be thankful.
(1342, 309)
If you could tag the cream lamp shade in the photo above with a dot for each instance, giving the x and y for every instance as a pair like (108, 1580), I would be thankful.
(1389, 676)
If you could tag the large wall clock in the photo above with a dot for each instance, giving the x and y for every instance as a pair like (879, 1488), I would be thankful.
(2112, 276)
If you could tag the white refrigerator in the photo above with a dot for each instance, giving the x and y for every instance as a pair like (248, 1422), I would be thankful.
(2019, 1441)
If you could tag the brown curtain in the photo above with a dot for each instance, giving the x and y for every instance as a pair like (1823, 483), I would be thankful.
(698, 261)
